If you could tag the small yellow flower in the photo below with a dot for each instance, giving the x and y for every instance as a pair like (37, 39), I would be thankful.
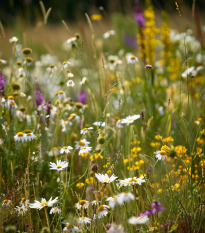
(80, 185)
(96, 17)
(159, 191)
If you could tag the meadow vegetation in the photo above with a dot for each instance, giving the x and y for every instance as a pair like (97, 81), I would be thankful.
(106, 135)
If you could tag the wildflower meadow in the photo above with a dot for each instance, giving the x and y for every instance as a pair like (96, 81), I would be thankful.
(105, 131)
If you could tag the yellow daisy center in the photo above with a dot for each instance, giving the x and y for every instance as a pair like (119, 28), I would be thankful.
(85, 129)
(133, 180)
(70, 226)
(101, 208)
(82, 202)
(130, 119)
(60, 92)
(105, 181)
(5, 201)
(132, 57)
(82, 218)
(23, 199)
(28, 134)
(20, 134)
(59, 166)
(64, 62)
(44, 204)
(81, 143)
(51, 66)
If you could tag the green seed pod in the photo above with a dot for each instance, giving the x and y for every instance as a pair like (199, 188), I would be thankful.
(101, 140)
(77, 35)
(16, 86)
(78, 105)
(26, 51)
(28, 59)
(22, 109)
(19, 63)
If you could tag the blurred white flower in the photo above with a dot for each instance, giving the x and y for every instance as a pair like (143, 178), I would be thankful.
(108, 34)
(105, 179)
(138, 221)
(66, 149)
(13, 39)
(55, 210)
(84, 221)
(85, 130)
(82, 204)
(70, 83)
(39, 205)
(59, 166)
(130, 119)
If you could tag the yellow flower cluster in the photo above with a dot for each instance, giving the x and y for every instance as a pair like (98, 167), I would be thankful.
(96, 156)
(146, 39)
(174, 68)
(165, 30)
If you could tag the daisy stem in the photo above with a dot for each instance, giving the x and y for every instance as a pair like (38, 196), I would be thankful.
(47, 218)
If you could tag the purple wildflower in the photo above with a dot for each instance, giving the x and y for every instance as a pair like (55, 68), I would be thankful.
(139, 18)
(147, 212)
(158, 207)
(82, 97)
(156, 204)
(2, 83)
(155, 210)
(148, 67)
(130, 41)
(39, 98)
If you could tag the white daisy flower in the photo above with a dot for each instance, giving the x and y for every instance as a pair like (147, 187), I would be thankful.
(1, 141)
(112, 201)
(138, 221)
(24, 202)
(108, 34)
(70, 83)
(132, 181)
(197, 122)
(30, 136)
(116, 229)
(85, 149)
(22, 95)
(84, 221)
(82, 143)
(21, 72)
(55, 210)
(117, 63)
(105, 179)
(61, 95)
(132, 59)
(130, 119)
(70, 75)
(70, 40)
(99, 123)
(102, 211)
(20, 137)
(82, 204)
(124, 197)
(83, 81)
(74, 116)
(21, 210)
(188, 72)
(65, 65)
(3, 62)
(51, 68)
(70, 228)
(66, 149)
(160, 155)
(6, 203)
(85, 130)
(39, 205)
(59, 166)
(95, 202)
(119, 123)
(13, 39)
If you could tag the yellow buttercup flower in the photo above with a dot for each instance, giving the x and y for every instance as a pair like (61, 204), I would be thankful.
(96, 17)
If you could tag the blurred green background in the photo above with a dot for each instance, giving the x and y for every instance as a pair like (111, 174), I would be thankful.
(73, 9)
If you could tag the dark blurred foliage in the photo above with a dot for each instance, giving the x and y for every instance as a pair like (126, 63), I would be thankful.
(75, 9)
